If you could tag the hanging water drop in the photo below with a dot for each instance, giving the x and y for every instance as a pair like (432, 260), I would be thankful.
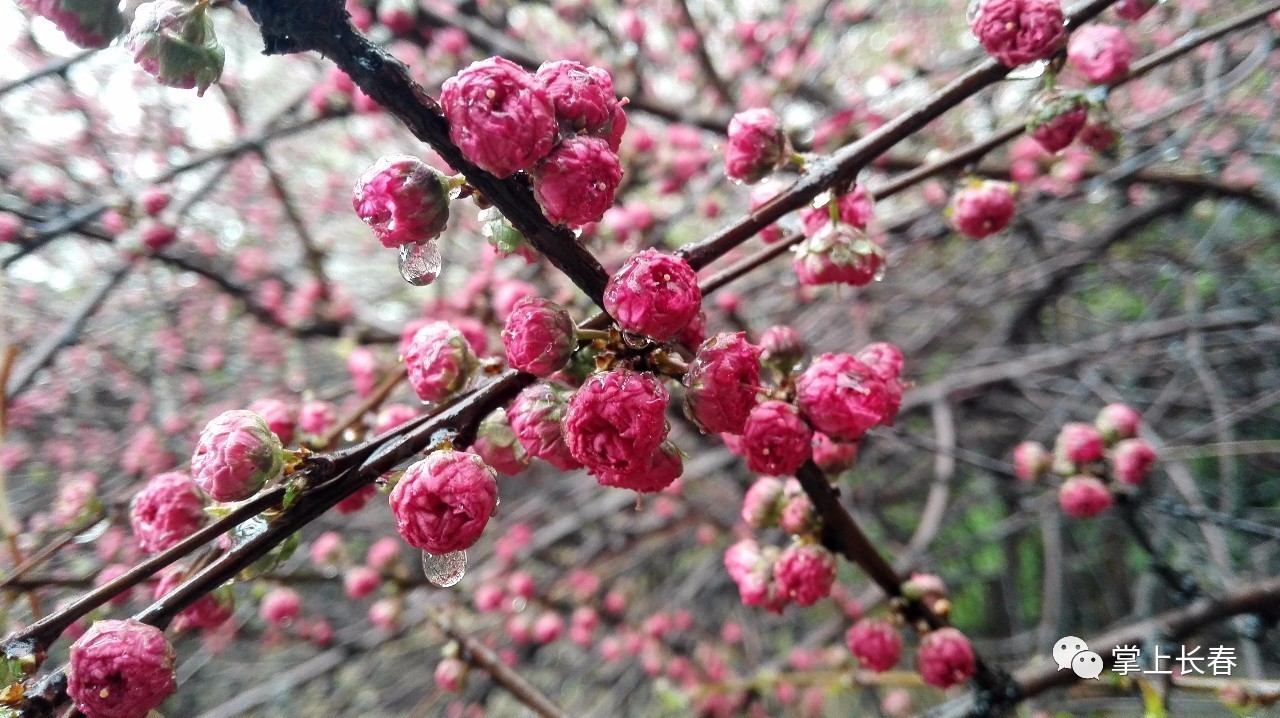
(420, 263)
(1029, 71)
(879, 273)
(446, 569)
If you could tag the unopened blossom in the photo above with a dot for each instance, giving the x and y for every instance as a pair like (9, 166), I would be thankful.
(87, 23)
(582, 96)
(539, 336)
(281, 418)
(155, 236)
(496, 443)
(77, 496)
(722, 382)
(833, 457)
(360, 582)
(393, 415)
(535, 417)
(402, 199)
(1079, 443)
(762, 503)
(805, 572)
(205, 613)
(757, 145)
(1017, 32)
(357, 500)
(852, 208)
(841, 396)
(798, 517)
(875, 644)
(1099, 133)
(450, 675)
(1116, 422)
(547, 627)
(945, 658)
(750, 565)
(782, 348)
(383, 554)
(615, 421)
(168, 509)
(153, 200)
(280, 606)
(982, 208)
(576, 182)
(317, 417)
(1057, 121)
(440, 361)
(1031, 460)
(776, 438)
(443, 502)
(664, 465)
(653, 294)
(174, 41)
(120, 669)
(1131, 461)
(838, 254)
(235, 456)
(1102, 53)
(362, 363)
(1133, 9)
(499, 115)
(327, 549)
(1083, 496)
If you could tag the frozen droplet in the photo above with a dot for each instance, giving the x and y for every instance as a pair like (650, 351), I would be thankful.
(420, 263)
(1029, 71)
(446, 569)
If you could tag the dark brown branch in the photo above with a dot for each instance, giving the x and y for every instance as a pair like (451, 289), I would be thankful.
(53, 68)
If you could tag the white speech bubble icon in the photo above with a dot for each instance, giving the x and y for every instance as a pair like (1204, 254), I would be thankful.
(1087, 664)
(1067, 647)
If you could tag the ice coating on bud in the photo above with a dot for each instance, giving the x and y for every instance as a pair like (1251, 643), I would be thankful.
(168, 509)
(87, 23)
(653, 294)
(1031, 460)
(763, 503)
(833, 457)
(120, 669)
(1017, 32)
(1131, 461)
(499, 115)
(576, 182)
(1116, 422)
(582, 96)
(174, 41)
(535, 416)
(1057, 121)
(1078, 443)
(615, 421)
(757, 145)
(402, 199)
(776, 439)
(838, 254)
(945, 658)
(805, 573)
(497, 445)
(539, 336)
(440, 361)
(235, 456)
(854, 208)
(982, 208)
(664, 466)
(722, 382)
(1102, 53)
(875, 644)
(1083, 496)
(782, 348)
(443, 502)
(842, 397)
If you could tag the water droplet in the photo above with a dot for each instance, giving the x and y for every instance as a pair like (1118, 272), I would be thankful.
(1028, 72)
(880, 270)
(94, 532)
(420, 263)
(446, 569)
(1171, 153)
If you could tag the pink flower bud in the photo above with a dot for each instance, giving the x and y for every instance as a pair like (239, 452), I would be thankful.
(235, 456)
(168, 509)
(385, 613)
(443, 502)
(838, 254)
(539, 336)
(762, 503)
(1031, 460)
(751, 567)
(722, 383)
(497, 445)
(757, 145)
(280, 606)
(1082, 497)
(664, 466)
(798, 516)
(1057, 121)
(488, 597)
(983, 208)
(153, 200)
(535, 417)
(833, 457)
(451, 675)
(362, 364)
(10, 227)
(842, 397)
(1078, 443)
(356, 500)
(77, 498)
(1132, 10)
(280, 417)
(392, 416)
(945, 658)
(575, 183)
(1017, 32)
(174, 41)
(521, 584)
(155, 236)
(207, 612)
(87, 23)
(120, 669)
(582, 96)
(854, 209)
(875, 644)
(653, 294)
(782, 348)
(1131, 461)
(360, 582)
(383, 554)
(327, 549)
(499, 116)
(1101, 53)
(317, 417)
(440, 361)
(613, 424)
(805, 573)
(776, 439)
(1116, 422)
(547, 627)
(404, 200)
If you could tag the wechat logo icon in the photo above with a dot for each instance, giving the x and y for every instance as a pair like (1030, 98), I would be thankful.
(1073, 653)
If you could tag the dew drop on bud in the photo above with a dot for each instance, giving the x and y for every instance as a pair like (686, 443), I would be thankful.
(420, 263)
(446, 569)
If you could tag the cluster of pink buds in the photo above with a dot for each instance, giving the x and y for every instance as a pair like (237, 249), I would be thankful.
(803, 573)
(1091, 456)
(87, 23)
(615, 425)
(562, 125)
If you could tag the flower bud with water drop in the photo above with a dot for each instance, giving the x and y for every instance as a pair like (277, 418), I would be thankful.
(440, 361)
(237, 454)
(175, 42)
(653, 294)
(757, 145)
(539, 336)
(120, 669)
(838, 254)
(403, 199)
(443, 503)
